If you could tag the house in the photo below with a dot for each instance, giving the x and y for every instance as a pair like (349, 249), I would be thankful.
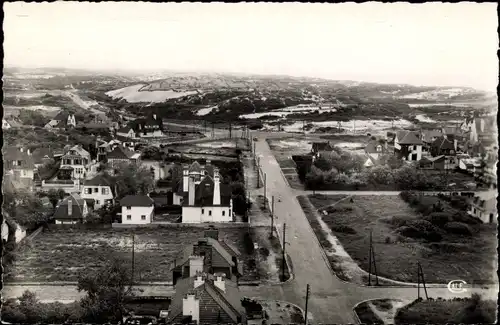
(181, 187)
(63, 119)
(137, 209)
(445, 146)
(429, 162)
(376, 148)
(148, 127)
(428, 137)
(126, 132)
(484, 207)
(121, 155)
(76, 161)
(158, 168)
(10, 123)
(208, 254)
(371, 161)
(205, 298)
(18, 162)
(72, 210)
(319, 147)
(205, 198)
(103, 148)
(98, 190)
(408, 145)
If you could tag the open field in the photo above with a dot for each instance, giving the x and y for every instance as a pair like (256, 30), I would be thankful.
(144, 93)
(63, 254)
(471, 258)
(447, 311)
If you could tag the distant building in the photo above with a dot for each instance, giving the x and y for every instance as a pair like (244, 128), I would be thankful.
(126, 132)
(72, 210)
(408, 145)
(484, 207)
(62, 120)
(99, 190)
(445, 146)
(319, 147)
(137, 209)
(121, 155)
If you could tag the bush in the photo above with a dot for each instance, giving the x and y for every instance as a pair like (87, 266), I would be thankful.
(439, 219)
(264, 251)
(458, 228)
(344, 229)
(248, 243)
(420, 229)
(464, 217)
(397, 221)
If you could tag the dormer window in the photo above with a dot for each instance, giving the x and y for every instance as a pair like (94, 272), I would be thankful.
(379, 148)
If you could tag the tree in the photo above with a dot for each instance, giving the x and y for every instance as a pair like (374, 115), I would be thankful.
(48, 169)
(380, 175)
(131, 179)
(26, 209)
(55, 195)
(106, 289)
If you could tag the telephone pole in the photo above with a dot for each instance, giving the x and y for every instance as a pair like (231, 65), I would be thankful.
(265, 197)
(307, 300)
(133, 258)
(230, 131)
(284, 254)
(272, 215)
(370, 259)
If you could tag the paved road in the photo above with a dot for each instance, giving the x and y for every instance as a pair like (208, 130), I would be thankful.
(332, 300)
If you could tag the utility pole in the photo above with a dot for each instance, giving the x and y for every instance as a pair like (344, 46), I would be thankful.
(258, 172)
(370, 258)
(230, 131)
(421, 274)
(133, 258)
(307, 300)
(265, 197)
(284, 254)
(272, 215)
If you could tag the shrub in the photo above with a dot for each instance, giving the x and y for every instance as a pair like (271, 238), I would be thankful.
(420, 229)
(464, 217)
(458, 228)
(248, 243)
(343, 229)
(397, 221)
(264, 251)
(439, 219)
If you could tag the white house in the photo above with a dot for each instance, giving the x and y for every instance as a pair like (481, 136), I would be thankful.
(207, 200)
(73, 209)
(126, 132)
(19, 163)
(98, 189)
(484, 207)
(408, 145)
(77, 160)
(62, 120)
(137, 209)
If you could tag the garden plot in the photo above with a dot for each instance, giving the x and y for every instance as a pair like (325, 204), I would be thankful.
(471, 258)
(63, 254)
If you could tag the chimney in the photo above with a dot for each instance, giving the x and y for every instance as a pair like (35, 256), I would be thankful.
(216, 200)
(219, 281)
(199, 280)
(28, 151)
(185, 179)
(191, 307)
(70, 207)
(21, 149)
(195, 265)
(191, 190)
(154, 116)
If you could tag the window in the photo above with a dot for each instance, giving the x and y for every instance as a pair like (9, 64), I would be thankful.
(379, 148)
(223, 213)
(105, 190)
(129, 217)
(143, 217)
(202, 211)
(128, 208)
(19, 162)
(96, 190)
(97, 202)
(209, 212)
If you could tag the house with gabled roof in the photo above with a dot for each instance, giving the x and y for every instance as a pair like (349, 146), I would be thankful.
(76, 161)
(206, 299)
(18, 162)
(181, 187)
(208, 254)
(137, 209)
(445, 146)
(126, 132)
(408, 145)
(484, 207)
(207, 199)
(63, 119)
(71, 210)
(121, 155)
(98, 191)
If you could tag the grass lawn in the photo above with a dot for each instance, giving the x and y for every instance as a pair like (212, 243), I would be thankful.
(443, 312)
(62, 254)
(367, 315)
(455, 257)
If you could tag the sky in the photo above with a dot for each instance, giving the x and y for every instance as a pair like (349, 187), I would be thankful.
(422, 44)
